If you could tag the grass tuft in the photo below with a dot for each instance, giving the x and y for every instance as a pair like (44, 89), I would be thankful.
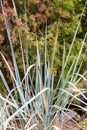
(34, 102)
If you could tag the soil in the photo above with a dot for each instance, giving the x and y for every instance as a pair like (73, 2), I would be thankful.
(72, 121)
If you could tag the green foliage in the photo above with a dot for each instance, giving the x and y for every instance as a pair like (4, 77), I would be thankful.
(64, 13)
(37, 14)
(83, 123)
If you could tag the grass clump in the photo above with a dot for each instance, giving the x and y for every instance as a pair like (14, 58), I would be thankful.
(35, 102)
